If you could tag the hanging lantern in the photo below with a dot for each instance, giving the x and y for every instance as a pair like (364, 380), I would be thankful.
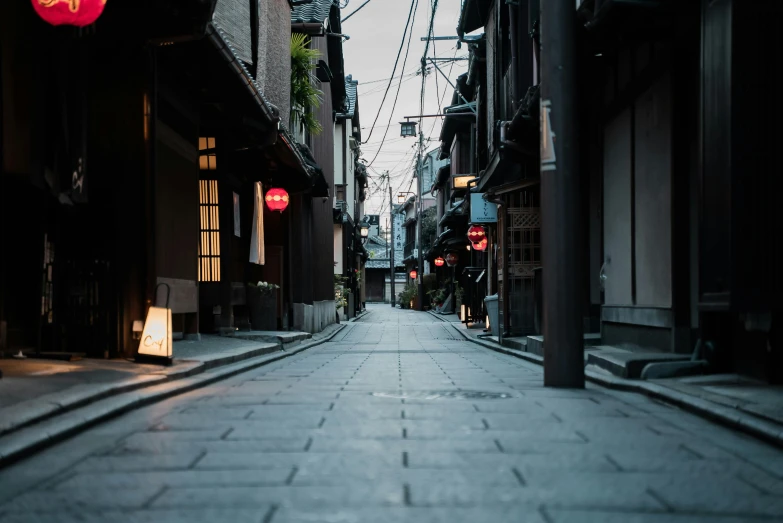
(413, 274)
(476, 233)
(481, 245)
(439, 262)
(79, 13)
(452, 259)
(276, 199)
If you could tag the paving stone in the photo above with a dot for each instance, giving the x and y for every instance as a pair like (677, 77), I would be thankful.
(262, 460)
(145, 516)
(180, 478)
(96, 497)
(592, 516)
(355, 495)
(138, 463)
(307, 436)
(411, 514)
(173, 446)
(618, 496)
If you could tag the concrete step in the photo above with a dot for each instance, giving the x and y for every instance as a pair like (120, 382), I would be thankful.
(284, 338)
(535, 344)
(629, 365)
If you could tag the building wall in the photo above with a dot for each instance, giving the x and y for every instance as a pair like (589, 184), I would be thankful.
(339, 153)
(653, 198)
(339, 263)
(18, 62)
(617, 210)
(274, 54)
(323, 147)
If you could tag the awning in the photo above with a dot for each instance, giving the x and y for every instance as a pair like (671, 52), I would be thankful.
(458, 118)
(474, 15)
(299, 173)
(454, 215)
(443, 176)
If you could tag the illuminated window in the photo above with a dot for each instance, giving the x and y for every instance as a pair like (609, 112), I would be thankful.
(208, 160)
(209, 242)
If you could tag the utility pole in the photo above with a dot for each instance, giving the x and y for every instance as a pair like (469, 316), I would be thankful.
(420, 268)
(560, 200)
(393, 297)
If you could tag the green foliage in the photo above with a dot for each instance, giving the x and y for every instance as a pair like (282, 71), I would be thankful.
(305, 98)
(340, 292)
(430, 282)
(459, 292)
(437, 296)
(429, 227)
(407, 295)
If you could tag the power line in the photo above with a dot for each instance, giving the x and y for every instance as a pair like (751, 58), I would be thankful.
(394, 70)
(397, 95)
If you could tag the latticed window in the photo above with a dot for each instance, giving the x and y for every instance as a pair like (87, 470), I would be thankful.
(207, 159)
(209, 242)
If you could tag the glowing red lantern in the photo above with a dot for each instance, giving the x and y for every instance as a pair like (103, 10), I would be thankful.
(276, 199)
(476, 233)
(69, 12)
(480, 246)
(452, 259)
(413, 274)
(439, 262)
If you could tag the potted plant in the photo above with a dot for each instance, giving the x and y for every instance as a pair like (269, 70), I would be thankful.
(262, 305)
(408, 296)
(340, 292)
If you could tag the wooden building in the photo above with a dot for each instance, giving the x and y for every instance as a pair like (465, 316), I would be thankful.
(132, 151)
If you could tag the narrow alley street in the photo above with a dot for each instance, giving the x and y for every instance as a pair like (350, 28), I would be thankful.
(397, 419)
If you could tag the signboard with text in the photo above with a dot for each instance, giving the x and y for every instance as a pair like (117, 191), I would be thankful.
(482, 211)
(399, 232)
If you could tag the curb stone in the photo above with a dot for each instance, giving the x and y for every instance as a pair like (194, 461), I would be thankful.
(41, 413)
(769, 432)
(31, 439)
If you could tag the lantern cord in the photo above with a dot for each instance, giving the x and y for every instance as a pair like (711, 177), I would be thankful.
(394, 70)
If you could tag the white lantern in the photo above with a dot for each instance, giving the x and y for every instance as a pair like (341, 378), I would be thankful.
(156, 339)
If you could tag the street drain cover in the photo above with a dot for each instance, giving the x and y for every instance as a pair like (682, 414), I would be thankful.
(445, 394)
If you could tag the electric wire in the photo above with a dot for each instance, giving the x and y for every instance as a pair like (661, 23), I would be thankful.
(394, 70)
(397, 95)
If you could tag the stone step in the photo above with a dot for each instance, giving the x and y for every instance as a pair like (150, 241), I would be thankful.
(627, 364)
(284, 338)
(535, 344)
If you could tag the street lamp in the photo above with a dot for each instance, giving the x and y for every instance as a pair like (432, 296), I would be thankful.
(407, 129)
(402, 196)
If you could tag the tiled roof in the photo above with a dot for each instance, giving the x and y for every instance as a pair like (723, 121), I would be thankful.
(379, 258)
(314, 13)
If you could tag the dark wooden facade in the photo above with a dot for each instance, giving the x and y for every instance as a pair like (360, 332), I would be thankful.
(94, 245)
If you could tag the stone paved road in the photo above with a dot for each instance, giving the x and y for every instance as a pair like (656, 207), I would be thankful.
(396, 420)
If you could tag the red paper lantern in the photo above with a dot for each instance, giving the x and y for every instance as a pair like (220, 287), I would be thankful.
(413, 274)
(476, 233)
(452, 259)
(276, 199)
(69, 12)
(439, 262)
(481, 245)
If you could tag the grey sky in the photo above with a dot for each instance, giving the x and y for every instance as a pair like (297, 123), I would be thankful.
(375, 33)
